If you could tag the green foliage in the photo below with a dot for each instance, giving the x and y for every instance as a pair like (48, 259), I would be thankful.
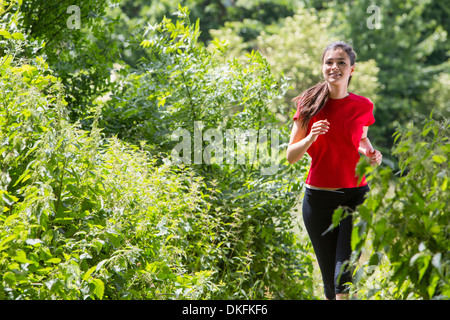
(77, 42)
(212, 14)
(406, 217)
(181, 82)
(107, 214)
(83, 217)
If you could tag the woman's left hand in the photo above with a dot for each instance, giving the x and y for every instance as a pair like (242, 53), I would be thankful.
(375, 157)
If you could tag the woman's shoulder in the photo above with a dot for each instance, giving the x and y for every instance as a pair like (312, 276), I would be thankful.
(360, 99)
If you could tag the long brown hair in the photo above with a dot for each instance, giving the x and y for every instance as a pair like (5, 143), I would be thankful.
(313, 99)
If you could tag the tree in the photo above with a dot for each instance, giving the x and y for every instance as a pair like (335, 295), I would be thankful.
(77, 42)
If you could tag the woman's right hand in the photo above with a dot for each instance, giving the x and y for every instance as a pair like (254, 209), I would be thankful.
(318, 128)
(299, 142)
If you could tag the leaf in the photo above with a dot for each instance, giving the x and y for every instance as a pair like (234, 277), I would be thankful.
(18, 36)
(9, 278)
(24, 177)
(53, 260)
(145, 43)
(65, 220)
(99, 288)
(436, 261)
(338, 216)
(426, 261)
(8, 198)
(49, 284)
(439, 158)
(21, 257)
(3, 244)
(355, 237)
(5, 33)
(85, 255)
(365, 213)
(89, 272)
(98, 244)
(100, 264)
(432, 284)
(33, 241)
(374, 259)
(444, 184)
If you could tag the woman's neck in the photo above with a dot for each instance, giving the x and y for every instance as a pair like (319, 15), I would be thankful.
(337, 92)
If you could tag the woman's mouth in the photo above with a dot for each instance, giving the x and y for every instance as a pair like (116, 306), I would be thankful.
(334, 75)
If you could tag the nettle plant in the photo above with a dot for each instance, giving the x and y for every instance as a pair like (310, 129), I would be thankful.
(83, 217)
(180, 83)
(88, 217)
(403, 226)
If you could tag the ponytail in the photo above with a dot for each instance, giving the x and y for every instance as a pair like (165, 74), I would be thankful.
(311, 101)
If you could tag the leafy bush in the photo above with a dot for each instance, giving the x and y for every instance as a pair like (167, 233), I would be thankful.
(83, 217)
(88, 217)
(181, 83)
(100, 214)
(406, 218)
(78, 43)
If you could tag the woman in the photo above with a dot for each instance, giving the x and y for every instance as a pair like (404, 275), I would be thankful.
(331, 124)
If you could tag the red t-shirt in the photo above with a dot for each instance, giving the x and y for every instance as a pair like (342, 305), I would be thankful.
(335, 154)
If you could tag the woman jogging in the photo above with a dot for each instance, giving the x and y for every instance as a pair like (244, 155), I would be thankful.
(331, 124)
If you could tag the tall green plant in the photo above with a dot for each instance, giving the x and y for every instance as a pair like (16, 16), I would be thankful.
(77, 40)
(82, 217)
(85, 217)
(405, 220)
(182, 84)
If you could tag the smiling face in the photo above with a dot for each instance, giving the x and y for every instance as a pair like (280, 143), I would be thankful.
(336, 67)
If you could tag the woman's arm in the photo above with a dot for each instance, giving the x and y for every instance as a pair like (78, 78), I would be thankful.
(365, 147)
(300, 142)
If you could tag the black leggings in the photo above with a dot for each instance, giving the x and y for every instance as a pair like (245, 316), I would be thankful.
(332, 248)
